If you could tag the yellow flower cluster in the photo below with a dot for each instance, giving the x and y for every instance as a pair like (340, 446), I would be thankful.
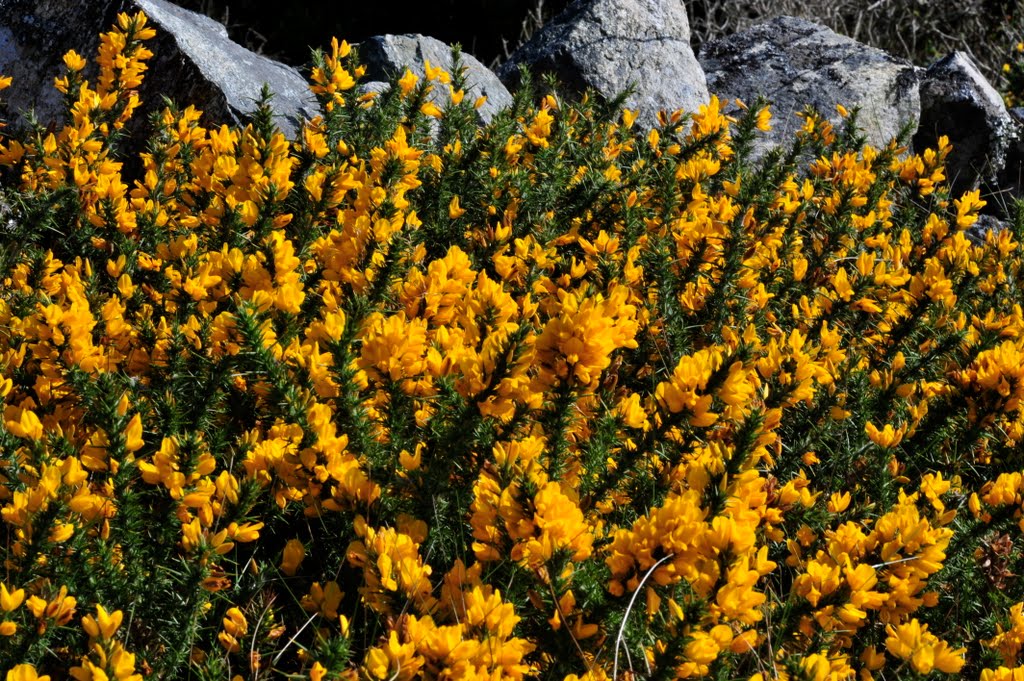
(551, 398)
(480, 646)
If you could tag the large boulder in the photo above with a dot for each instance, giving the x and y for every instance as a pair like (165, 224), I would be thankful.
(389, 55)
(958, 102)
(194, 61)
(795, 63)
(611, 45)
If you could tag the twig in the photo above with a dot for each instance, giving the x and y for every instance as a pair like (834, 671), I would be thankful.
(894, 562)
(565, 623)
(292, 639)
(622, 627)
(256, 632)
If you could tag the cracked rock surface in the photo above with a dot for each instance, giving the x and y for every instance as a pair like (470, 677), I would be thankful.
(795, 63)
(610, 45)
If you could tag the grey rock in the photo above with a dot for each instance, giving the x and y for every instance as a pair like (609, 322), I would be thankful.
(795, 63)
(611, 45)
(388, 55)
(985, 224)
(958, 102)
(377, 87)
(34, 35)
(194, 61)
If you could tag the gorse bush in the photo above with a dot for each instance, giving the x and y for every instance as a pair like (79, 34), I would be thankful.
(1013, 77)
(553, 398)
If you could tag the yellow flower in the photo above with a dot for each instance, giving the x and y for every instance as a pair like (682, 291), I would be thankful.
(912, 641)
(333, 79)
(435, 72)
(411, 462)
(244, 533)
(294, 553)
(133, 434)
(102, 626)
(888, 437)
(841, 284)
(430, 109)
(838, 502)
(632, 412)
(26, 424)
(561, 525)
(235, 627)
(539, 128)
(455, 211)
(872, 658)
(819, 581)
(392, 566)
(967, 208)
(74, 61)
(903, 640)
(685, 392)
(816, 667)
(394, 347)
(25, 672)
(407, 82)
(10, 600)
(577, 344)
(61, 532)
(393, 659)
(324, 599)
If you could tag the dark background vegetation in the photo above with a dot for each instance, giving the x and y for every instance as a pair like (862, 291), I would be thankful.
(919, 30)
(489, 29)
